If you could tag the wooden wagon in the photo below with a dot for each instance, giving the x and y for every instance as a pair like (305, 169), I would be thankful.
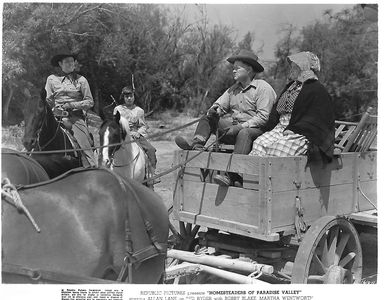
(297, 220)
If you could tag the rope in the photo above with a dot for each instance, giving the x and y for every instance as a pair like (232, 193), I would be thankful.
(116, 144)
(9, 193)
(366, 197)
(133, 141)
(255, 274)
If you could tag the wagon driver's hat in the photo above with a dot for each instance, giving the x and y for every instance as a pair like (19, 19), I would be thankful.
(247, 57)
(61, 53)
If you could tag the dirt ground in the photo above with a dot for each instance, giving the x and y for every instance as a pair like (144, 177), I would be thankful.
(165, 153)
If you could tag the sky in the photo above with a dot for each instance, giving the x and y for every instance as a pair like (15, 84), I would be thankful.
(263, 20)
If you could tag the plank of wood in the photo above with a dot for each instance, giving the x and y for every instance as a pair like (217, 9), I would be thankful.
(237, 163)
(250, 182)
(287, 171)
(347, 135)
(339, 129)
(232, 204)
(228, 226)
(367, 165)
(346, 123)
(369, 188)
(369, 216)
(316, 202)
(192, 174)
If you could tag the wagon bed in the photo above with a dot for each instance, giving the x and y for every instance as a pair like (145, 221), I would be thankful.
(300, 216)
(275, 189)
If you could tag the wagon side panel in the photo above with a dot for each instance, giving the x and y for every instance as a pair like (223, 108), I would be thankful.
(321, 189)
(367, 181)
(200, 201)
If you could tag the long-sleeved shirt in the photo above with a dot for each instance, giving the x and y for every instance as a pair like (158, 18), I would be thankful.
(66, 89)
(251, 105)
(135, 118)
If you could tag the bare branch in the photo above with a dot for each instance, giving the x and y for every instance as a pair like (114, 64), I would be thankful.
(75, 33)
(78, 15)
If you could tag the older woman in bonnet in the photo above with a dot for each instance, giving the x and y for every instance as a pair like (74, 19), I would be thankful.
(302, 120)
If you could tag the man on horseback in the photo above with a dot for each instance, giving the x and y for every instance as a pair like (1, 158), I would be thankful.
(138, 127)
(70, 92)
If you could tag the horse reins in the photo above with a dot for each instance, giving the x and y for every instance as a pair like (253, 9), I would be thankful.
(40, 129)
(124, 165)
(40, 148)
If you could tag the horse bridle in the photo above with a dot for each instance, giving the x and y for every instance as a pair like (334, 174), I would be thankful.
(111, 158)
(40, 129)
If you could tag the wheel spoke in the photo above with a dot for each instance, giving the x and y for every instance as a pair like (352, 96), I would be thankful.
(341, 247)
(333, 233)
(182, 229)
(188, 228)
(319, 265)
(347, 259)
(195, 230)
(324, 255)
(170, 209)
(173, 230)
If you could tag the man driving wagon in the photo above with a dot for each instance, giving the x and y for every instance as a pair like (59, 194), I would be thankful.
(248, 102)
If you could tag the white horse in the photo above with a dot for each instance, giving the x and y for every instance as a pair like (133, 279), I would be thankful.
(127, 159)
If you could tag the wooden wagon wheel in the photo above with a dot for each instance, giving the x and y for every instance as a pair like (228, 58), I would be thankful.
(329, 253)
(184, 239)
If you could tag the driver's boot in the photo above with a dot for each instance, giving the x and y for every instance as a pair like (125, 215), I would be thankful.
(195, 144)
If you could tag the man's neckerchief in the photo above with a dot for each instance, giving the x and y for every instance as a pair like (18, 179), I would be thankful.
(73, 76)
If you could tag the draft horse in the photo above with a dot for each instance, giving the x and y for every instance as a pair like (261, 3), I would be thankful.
(91, 221)
(44, 133)
(20, 168)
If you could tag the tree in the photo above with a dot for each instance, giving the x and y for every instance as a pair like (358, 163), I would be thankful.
(30, 41)
(247, 42)
(172, 60)
(346, 45)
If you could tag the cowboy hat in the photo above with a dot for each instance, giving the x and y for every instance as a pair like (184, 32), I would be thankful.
(247, 57)
(61, 54)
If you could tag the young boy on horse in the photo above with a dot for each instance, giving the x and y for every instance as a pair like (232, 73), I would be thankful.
(70, 92)
(135, 117)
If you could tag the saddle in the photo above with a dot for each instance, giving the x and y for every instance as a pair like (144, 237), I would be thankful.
(149, 170)
(66, 125)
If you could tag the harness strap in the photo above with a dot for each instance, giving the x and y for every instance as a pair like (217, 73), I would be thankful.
(125, 273)
(9, 193)
(23, 155)
(144, 213)
(299, 222)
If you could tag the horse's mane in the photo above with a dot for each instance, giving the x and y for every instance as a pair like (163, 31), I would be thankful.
(125, 125)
